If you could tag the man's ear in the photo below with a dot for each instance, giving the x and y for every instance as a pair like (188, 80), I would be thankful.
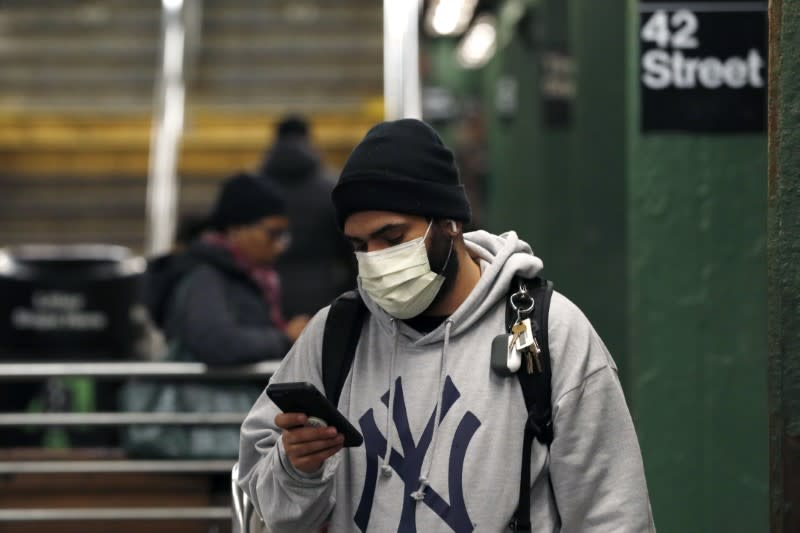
(449, 226)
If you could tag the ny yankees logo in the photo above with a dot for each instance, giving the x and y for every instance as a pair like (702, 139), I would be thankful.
(408, 463)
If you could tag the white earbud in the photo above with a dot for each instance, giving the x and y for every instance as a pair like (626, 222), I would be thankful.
(453, 226)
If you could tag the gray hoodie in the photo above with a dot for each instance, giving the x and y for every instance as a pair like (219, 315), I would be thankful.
(461, 474)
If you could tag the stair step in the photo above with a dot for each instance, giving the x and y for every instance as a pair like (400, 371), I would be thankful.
(79, 75)
(60, 6)
(341, 49)
(67, 19)
(293, 12)
(56, 52)
(278, 74)
(52, 205)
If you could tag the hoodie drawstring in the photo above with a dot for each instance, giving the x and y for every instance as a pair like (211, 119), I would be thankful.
(386, 470)
(419, 494)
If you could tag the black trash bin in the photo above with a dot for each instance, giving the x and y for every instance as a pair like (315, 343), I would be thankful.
(69, 302)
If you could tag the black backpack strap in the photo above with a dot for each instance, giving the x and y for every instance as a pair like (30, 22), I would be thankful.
(536, 390)
(339, 341)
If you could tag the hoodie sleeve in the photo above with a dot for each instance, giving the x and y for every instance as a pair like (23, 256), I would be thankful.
(288, 500)
(595, 462)
(211, 332)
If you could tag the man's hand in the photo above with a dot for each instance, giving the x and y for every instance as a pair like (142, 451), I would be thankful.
(307, 447)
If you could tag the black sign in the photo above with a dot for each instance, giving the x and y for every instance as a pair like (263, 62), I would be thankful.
(703, 65)
(69, 305)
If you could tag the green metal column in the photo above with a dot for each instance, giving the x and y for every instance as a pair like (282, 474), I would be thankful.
(696, 258)
(597, 245)
(559, 180)
(661, 238)
(517, 188)
(784, 265)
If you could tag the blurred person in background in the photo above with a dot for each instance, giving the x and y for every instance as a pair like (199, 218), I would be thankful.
(217, 302)
(163, 273)
(221, 297)
(318, 265)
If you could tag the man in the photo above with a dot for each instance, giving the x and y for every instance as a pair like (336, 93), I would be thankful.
(318, 265)
(445, 429)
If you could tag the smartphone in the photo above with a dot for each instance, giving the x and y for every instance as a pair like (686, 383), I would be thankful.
(304, 397)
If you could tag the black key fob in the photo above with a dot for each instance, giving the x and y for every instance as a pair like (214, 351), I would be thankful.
(505, 362)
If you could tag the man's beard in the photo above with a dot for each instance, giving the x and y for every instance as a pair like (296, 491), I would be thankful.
(440, 263)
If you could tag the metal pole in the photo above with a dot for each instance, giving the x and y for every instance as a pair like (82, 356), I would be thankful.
(18, 371)
(783, 264)
(401, 89)
(162, 187)
(184, 466)
(120, 419)
(115, 514)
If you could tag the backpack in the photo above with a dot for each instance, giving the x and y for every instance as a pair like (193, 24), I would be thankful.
(343, 330)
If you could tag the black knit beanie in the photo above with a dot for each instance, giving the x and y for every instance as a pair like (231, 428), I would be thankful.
(401, 166)
(292, 126)
(245, 199)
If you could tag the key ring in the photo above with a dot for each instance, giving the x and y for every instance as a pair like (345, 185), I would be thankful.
(521, 294)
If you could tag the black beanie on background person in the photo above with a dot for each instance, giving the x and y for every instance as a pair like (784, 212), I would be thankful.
(401, 166)
(292, 126)
(245, 199)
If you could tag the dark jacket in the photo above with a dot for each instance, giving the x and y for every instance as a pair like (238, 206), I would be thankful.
(213, 307)
(319, 265)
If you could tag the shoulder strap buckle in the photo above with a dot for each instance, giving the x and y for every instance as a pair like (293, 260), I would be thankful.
(540, 425)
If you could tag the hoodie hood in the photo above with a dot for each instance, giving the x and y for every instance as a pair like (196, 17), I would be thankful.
(501, 257)
(290, 161)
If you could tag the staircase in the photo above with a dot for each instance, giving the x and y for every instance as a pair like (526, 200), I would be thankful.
(78, 55)
(76, 86)
(313, 55)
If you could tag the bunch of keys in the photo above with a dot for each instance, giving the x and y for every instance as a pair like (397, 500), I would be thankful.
(523, 340)
(509, 349)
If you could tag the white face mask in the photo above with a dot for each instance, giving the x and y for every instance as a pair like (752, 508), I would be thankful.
(400, 279)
